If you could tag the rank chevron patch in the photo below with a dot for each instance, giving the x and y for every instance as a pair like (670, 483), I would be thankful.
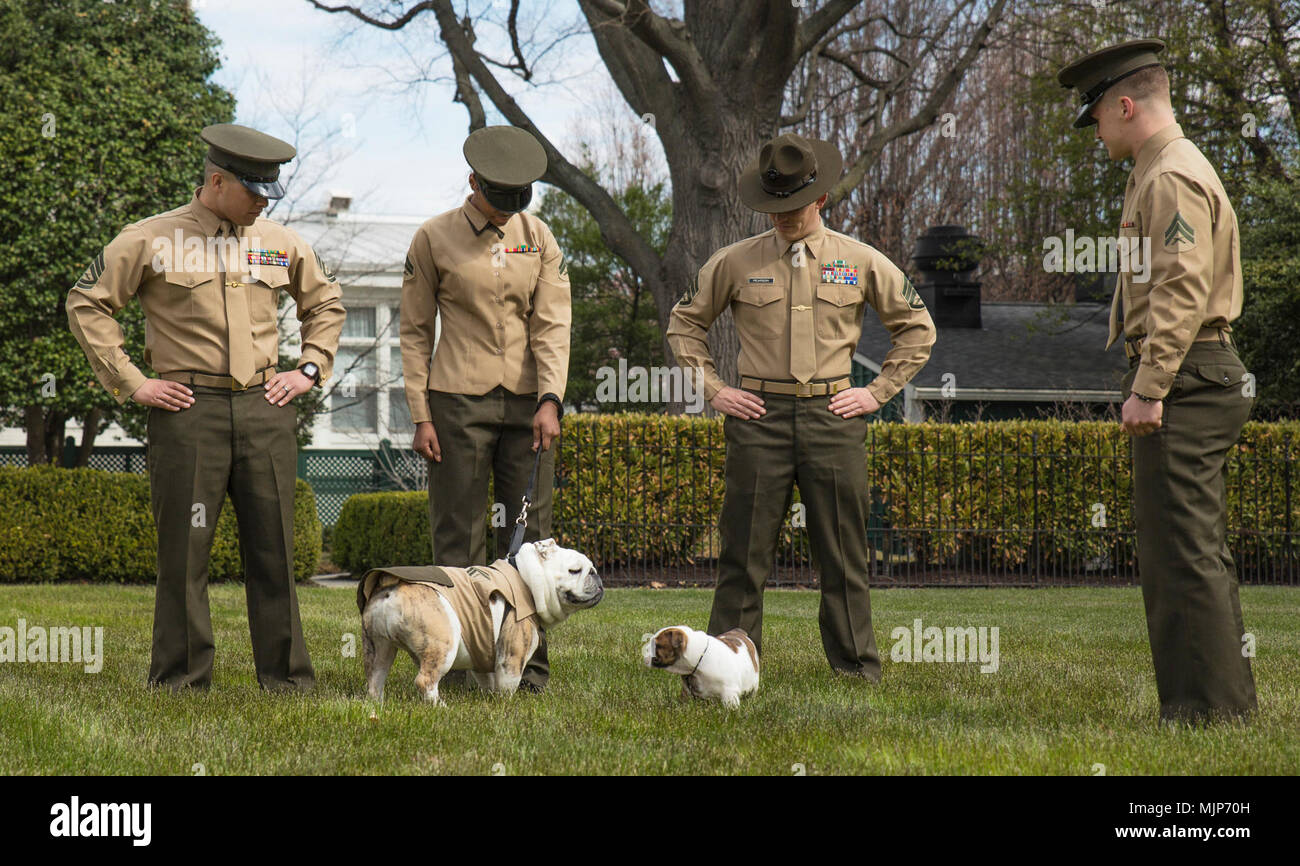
(1179, 230)
(93, 273)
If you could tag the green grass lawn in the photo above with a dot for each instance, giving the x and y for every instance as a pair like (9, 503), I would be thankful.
(1074, 689)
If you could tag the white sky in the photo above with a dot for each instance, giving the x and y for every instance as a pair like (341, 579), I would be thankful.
(404, 157)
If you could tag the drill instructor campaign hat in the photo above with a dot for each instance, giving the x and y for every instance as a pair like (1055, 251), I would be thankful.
(790, 172)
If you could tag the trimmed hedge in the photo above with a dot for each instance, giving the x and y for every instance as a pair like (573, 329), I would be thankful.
(84, 524)
(999, 495)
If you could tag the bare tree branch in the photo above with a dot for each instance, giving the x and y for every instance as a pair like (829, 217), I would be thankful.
(616, 228)
(927, 113)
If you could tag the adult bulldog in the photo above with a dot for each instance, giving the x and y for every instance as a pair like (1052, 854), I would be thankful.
(484, 619)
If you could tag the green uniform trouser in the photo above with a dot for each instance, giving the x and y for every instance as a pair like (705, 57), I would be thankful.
(1189, 581)
(227, 442)
(481, 435)
(800, 441)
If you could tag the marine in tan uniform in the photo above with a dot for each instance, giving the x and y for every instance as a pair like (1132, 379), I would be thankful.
(797, 293)
(208, 276)
(494, 280)
(1187, 394)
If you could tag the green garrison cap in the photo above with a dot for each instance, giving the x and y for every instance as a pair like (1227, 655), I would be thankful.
(506, 160)
(253, 157)
(1094, 74)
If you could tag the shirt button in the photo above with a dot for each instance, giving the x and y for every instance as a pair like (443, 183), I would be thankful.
(1226, 380)
(501, 351)
(500, 325)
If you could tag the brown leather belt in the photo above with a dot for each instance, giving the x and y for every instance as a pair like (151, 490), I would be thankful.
(1133, 345)
(795, 389)
(189, 377)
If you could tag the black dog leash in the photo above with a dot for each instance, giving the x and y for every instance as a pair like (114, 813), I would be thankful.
(521, 522)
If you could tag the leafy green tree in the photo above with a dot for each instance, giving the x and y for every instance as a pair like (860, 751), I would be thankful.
(102, 105)
(614, 314)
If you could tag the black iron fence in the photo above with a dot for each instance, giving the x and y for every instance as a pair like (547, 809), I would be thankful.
(999, 503)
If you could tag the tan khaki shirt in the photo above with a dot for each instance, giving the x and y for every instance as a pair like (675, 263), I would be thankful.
(1175, 198)
(504, 303)
(753, 278)
(173, 263)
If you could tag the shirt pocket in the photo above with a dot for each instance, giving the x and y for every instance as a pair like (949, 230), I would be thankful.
(193, 295)
(264, 293)
(838, 311)
(757, 313)
(519, 279)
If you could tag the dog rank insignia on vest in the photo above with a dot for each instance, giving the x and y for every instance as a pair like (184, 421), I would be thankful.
(524, 248)
(840, 271)
(279, 258)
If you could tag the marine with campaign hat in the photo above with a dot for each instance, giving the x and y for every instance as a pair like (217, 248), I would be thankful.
(798, 293)
(208, 276)
(1188, 392)
(489, 282)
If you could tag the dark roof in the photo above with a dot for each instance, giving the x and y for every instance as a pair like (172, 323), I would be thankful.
(1021, 345)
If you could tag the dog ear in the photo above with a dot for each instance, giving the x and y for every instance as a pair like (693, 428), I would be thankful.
(666, 650)
(678, 641)
(544, 548)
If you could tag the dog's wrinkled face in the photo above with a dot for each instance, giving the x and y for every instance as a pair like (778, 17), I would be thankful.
(664, 648)
(577, 585)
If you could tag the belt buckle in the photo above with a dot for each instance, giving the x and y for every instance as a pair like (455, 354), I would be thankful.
(803, 389)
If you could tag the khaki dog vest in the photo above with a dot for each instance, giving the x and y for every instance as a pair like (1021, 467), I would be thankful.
(469, 592)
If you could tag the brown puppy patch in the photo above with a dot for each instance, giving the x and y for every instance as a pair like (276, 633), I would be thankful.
(737, 638)
(669, 646)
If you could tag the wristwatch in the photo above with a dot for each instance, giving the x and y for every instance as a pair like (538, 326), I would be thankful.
(559, 405)
(311, 371)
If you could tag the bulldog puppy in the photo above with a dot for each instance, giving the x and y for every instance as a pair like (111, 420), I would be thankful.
(723, 667)
(482, 618)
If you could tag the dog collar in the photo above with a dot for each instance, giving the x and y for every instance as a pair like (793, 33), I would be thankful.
(697, 663)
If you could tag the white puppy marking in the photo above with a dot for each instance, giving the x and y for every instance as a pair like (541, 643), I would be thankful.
(722, 668)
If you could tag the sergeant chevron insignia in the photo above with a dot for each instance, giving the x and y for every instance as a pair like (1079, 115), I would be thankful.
(329, 275)
(408, 269)
(692, 291)
(92, 274)
(1180, 231)
(911, 295)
